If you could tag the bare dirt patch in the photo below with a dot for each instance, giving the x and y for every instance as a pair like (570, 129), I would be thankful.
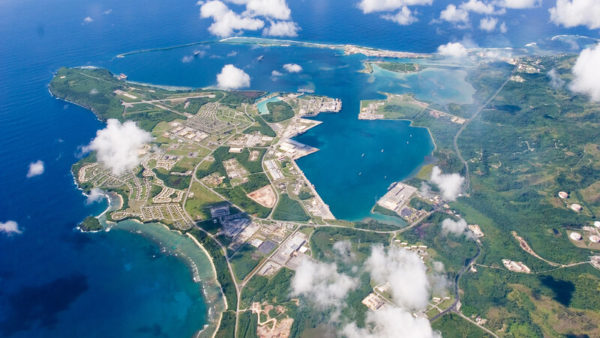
(264, 196)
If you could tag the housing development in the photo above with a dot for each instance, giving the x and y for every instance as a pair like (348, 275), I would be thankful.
(220, 167)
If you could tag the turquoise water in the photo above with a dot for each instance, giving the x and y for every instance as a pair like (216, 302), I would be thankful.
(262, 105)
(348, 181)
(439, 85)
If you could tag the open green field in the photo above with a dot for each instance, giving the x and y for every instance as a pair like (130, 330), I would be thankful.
(173, 181)
(453, 326)
(245, 260)
(197, 205)
(278, 111)
(288, 209)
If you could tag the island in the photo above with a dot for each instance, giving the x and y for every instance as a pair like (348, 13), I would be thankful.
(90, 224)
(515, 244)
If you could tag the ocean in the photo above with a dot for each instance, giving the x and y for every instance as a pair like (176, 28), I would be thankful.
(58, 282)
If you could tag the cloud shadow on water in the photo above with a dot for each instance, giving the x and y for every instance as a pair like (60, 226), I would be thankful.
(38, 306)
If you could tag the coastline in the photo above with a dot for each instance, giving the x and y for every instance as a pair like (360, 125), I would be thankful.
(185, 247)
(348, 49)
(161, 234)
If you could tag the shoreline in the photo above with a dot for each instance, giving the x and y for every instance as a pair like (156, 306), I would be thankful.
(348, 49)
(212, 293)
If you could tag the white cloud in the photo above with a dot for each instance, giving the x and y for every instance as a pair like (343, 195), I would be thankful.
(276, 73)
(88, 19)
(403, 17)
(488, 24)
(95, 195)
(187, 58)
(232, 77)
(292, 68)
(227, 22)
(453, 49)
(571, 13)
(321, 283)
(455, 14)
(404, 271)
(519, 4)
(410, 287)
(276, 9)
(479, 7)
(35, 168)
(118, 145)
(369, 6)
(457, 228)
(586, 73)
(438, 266)
(10, 227)
(555, 81)
(391, 322)
(450, 184)
(344, 250)
(282, 28)
(437, 278)
(503, 28)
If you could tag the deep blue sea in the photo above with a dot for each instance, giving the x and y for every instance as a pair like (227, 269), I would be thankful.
(57, 282)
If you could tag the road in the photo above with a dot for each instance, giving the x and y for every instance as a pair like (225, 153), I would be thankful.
(453, 308)
(464, 125)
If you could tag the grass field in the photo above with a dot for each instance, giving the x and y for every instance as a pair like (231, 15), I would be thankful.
(278, 111)
(198, 204)
(289, 210)
(244, 260)
(453, 326)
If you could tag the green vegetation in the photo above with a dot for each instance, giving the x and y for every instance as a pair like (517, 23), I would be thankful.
(262, 128)
(193, 105)
(289, 210)
(305, 194)
(274, 290)
(147, 120)
(90, 158)
(155, 190)
(235, 99)
(247, 325)
(245, 260)
(420, 204)
(450, 249)
(373, 224)
(222, 154)
(453, 326)
(227, 328)
(237, 196)
(381, 210)
(399, 67)
(278, 111)
(529, 143)
(256, 181)
(173, 181)
(322, 240)
(123, 191)
(198, 204)
(218, 258)
(90, 223)
(91, 88)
